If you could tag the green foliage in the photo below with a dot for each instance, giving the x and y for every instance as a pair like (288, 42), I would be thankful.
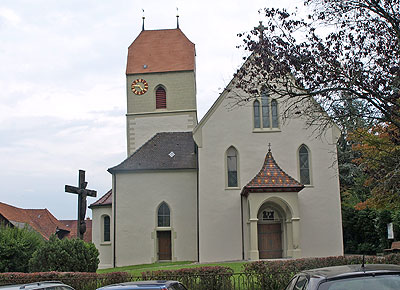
(272, 275)
(16, 248)
(67, 255)
(365, 231)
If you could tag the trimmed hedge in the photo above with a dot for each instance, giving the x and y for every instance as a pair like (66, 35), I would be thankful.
(272, 275)
(79, 281)
(212, 278)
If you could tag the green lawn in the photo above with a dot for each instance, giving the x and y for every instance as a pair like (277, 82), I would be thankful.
(136, 270)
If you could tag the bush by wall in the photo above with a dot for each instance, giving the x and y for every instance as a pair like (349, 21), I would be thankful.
(66, 255)
(272, 275)
(79, 281)
(210, 278)
(16, 248)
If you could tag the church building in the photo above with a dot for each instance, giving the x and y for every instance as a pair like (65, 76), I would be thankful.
(241, 184)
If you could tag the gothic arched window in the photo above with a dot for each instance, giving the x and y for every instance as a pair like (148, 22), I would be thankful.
(266, 115)
(163, 215)
(265, 109)
(232, 166)
(161, 98)
(304, 165)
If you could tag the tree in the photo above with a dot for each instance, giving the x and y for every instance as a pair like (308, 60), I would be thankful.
(16, 248)
(358, 60)
(66, 255)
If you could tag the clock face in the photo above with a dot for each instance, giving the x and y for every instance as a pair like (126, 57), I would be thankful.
(139, 86)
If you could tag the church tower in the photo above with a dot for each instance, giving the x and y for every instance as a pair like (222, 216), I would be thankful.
(161, 85)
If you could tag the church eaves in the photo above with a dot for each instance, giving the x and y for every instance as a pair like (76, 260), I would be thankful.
(164, 151)
(105, 200)
(160, 51)
(272, 178)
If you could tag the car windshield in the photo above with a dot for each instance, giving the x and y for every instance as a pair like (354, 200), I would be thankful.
(382, 282)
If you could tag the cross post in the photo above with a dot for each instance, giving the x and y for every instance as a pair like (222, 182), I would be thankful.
(82, 193)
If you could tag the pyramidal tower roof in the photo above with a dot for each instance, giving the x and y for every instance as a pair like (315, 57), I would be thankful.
(272, 178)
(160, 51)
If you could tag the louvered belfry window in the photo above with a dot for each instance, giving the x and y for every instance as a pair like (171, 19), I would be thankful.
(161, 98)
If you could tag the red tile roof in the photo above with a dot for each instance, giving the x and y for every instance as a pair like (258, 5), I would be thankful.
(160, 51)
(104, 200)
(271, 178)
(41, 220)
(71, 226)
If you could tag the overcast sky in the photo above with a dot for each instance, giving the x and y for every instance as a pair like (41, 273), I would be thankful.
(62, 85)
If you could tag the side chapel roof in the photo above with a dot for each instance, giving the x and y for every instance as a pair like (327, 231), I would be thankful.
(160, 51)
(166, 150)
(271, 178)
(105, 200)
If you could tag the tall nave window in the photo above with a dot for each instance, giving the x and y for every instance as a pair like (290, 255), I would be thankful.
(266, 115)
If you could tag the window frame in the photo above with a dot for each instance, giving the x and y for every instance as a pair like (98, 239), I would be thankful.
(103, 229)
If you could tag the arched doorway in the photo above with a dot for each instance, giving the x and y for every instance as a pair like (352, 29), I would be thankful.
(271, 231)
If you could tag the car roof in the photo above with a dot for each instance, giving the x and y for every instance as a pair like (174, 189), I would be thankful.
(35, 285)
(352, 270)
(139, 284)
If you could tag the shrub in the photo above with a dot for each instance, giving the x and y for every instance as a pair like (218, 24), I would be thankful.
(79, 281)
(210, 278)
(67, 255)
(271, 275)
(16, 248)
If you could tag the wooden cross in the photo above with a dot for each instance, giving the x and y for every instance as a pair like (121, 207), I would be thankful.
(82, 193)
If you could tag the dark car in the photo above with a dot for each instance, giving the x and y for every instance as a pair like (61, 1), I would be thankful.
(44, 285)
(148, 285)
(349, 277)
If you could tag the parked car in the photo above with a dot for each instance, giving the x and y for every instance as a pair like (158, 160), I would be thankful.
(148, 285)
(349, 277)
(44, 285)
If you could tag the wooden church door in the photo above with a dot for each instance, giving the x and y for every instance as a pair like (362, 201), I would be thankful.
(164, 245)
(269, 241)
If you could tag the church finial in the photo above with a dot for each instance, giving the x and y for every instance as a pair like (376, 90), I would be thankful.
(177, 18)
(269, 147)
(261, 29)
(143, 18)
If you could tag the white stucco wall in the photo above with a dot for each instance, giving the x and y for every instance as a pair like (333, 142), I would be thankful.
(105, 248)
(319, 204)
(138, 196)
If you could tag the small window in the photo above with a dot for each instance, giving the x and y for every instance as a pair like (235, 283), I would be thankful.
(106, 228)
(163, 215)
(268, 215)
(304, 160)
(231, 159)
(256, 108)
(161, 98)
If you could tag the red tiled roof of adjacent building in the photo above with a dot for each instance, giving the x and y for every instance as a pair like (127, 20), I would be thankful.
(106, 199)
(41, 220)
(272, 178)
(71, 225)
(160, 51)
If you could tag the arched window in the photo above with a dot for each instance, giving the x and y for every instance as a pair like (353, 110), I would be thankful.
(163, 215)
(256, 108)
(265, 109)
(106, 228)
(274, 111)
(304, 160)
(161, 98)
(231, 164)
